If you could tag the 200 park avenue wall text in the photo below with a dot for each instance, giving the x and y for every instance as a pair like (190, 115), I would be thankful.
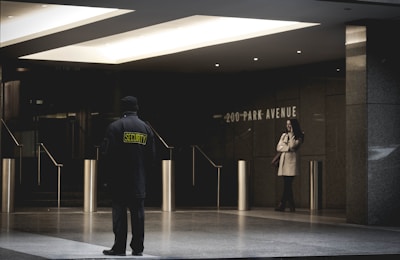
(260, 114)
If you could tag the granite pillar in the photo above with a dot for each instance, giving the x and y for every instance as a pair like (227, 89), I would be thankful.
(373, 123)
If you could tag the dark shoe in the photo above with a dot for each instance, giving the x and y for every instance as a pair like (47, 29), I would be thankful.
(280, 207)
(112, 252)
(137, 253)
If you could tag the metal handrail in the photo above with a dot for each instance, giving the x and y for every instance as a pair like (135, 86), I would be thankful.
(162, 140)
(20, 149)
(97, 147)
(194, 147)
(58, 165)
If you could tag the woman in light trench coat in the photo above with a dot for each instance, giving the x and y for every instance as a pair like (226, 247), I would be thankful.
(289, 163)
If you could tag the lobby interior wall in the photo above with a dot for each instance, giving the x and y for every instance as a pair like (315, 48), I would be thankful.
(320, 108)
(193, 109)
(227, 116)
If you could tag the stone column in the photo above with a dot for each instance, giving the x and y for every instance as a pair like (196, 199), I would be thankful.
(373, 123)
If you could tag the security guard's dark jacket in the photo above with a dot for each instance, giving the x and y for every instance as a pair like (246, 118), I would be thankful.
(129, 150)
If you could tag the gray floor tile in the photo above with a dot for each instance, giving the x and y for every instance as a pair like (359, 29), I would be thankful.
(69, 233)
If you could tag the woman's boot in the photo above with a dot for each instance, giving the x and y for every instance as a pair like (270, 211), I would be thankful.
(292, 207)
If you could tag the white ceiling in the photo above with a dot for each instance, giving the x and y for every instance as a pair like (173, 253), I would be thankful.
(319, 43)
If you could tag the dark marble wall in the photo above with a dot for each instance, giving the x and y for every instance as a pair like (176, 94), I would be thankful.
(372, 123)
(320, 110)
(356, 125)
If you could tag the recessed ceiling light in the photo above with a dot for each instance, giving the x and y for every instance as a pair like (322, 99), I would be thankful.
(298, 52)
(255, 59)
(30, 20)
(176, 36)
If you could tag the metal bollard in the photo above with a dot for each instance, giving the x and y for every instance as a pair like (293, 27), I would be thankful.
(315, 185)
(168, 185)
(243, 177)
(90, 186)
(8, 182)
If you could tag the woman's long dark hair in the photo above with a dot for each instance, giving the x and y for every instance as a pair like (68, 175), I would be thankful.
(298, 133)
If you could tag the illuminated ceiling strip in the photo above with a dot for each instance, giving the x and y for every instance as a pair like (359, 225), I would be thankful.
(26, 21)
(171, 37)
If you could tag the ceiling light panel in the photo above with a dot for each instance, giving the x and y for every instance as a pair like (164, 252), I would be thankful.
(26, 21)
(166, 38)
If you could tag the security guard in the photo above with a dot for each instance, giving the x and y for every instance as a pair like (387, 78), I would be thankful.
(129, 152)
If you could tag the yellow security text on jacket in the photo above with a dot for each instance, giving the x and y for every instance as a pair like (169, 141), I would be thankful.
(135, 138)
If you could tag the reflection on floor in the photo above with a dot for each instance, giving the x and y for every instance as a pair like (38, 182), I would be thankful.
(69, 233)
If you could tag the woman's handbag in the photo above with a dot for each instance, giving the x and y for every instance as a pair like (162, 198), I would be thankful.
(275, 160)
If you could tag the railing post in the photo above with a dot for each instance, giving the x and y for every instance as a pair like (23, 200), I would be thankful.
(20, 163)
(97, 152)
(90, 186)
(17, 144)
(59, 185)
(168, 177)
(168, 185)
(193, 165)
(212, 163)
(219, 186)
(242, 185)
(8, 185)
(315, 185)
(58, 165)
(38, 165)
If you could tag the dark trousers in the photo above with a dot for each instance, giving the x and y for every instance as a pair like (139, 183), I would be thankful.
(120, 224)
(287, 195)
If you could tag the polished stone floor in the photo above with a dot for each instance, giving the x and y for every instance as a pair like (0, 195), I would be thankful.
(69, 233)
